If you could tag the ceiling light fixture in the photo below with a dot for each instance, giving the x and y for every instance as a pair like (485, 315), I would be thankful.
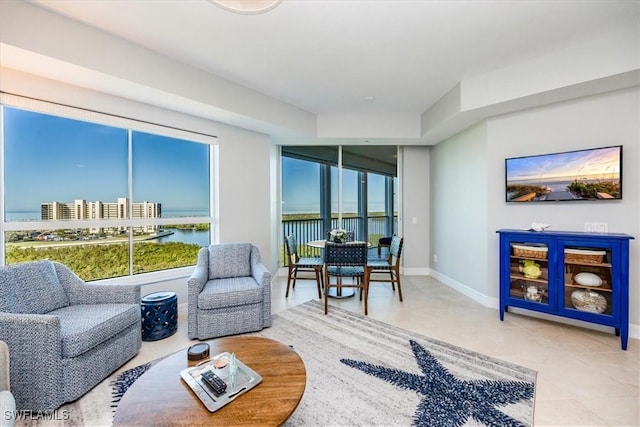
(246, 7)
(369, 98)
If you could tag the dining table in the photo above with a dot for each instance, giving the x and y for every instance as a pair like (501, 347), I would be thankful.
(339, 292)
(322, 243)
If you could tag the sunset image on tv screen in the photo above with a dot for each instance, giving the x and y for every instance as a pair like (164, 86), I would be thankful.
(593, 174)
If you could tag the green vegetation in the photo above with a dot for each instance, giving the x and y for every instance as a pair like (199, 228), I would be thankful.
(150, 256)
(197, 227)
(590, 190)
(93, 262)
(299, 217)
(309, 216)
(517, 190)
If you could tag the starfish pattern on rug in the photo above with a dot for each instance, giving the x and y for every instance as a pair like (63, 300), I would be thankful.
(123, 381)
(448, 401)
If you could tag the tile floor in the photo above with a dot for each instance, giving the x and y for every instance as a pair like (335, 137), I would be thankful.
(584, 378)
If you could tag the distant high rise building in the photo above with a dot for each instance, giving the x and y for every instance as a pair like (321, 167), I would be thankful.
(83, 210)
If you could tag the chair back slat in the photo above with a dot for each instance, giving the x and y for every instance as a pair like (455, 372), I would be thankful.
(396, 246)
(292, 245)
(339, 254)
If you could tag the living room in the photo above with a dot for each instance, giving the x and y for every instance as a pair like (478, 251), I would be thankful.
(452, 170)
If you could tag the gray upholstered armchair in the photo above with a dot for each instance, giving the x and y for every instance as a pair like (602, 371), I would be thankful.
(64, 335)
(229, 292)
(7, 402)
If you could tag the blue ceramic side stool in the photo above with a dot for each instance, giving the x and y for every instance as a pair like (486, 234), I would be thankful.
(159, 315)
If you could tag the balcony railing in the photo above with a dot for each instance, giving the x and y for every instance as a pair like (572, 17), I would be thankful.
(307, 230)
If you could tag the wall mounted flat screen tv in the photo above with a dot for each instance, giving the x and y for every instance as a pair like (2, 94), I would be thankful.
(591, 174)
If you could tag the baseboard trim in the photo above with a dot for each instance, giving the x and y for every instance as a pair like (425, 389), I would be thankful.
(485, 300)
(415, 271)
(490, 302)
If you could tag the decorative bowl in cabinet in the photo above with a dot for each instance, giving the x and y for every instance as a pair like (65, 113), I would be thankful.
(588, 279)
(588, 300)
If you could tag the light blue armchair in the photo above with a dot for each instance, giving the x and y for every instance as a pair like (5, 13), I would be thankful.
(64, 335)
(229, 292)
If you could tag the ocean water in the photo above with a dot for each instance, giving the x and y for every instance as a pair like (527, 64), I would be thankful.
(22, 216)
(557, 185)
(197, 237)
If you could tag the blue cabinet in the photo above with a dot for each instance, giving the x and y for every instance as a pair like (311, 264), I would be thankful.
(581, 276)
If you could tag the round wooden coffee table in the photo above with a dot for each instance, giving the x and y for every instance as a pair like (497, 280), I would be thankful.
(160, 397)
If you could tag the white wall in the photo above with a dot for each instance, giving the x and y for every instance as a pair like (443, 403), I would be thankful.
(415, 215)
(606, 52)
(245, 189)
(459, 212)
(595, 121)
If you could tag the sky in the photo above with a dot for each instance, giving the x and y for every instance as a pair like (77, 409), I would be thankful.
(603, 163)
(301, 188)
(56, 159)
(49, 158)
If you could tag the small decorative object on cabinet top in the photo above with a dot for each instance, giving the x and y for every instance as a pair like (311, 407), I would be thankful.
(538, 226)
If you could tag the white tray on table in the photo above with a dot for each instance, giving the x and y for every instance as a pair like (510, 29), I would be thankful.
(245, 379)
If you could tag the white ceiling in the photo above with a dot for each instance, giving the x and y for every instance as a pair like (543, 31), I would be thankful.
(327, 56)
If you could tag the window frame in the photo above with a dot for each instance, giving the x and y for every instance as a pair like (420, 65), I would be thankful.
(131, 126)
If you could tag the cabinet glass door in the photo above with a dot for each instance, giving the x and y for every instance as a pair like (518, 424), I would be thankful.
(529, 272)
(587, 279)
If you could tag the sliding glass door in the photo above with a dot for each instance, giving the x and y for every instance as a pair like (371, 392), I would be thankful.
(349, 187)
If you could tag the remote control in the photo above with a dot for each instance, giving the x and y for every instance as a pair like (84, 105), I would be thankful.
(215, 382)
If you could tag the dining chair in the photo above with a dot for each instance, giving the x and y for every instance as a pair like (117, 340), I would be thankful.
(383, 242)
(297, 264)
(346, 260)
(390, 266)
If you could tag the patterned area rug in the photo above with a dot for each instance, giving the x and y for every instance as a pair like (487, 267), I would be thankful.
(94, 409)
(362, 372)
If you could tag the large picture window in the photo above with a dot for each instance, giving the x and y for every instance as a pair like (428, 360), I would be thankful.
(105, 200)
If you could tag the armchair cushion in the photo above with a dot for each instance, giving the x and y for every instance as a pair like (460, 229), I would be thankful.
(85, 326)
(231, 260)
(31, 287)
(230, 293)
